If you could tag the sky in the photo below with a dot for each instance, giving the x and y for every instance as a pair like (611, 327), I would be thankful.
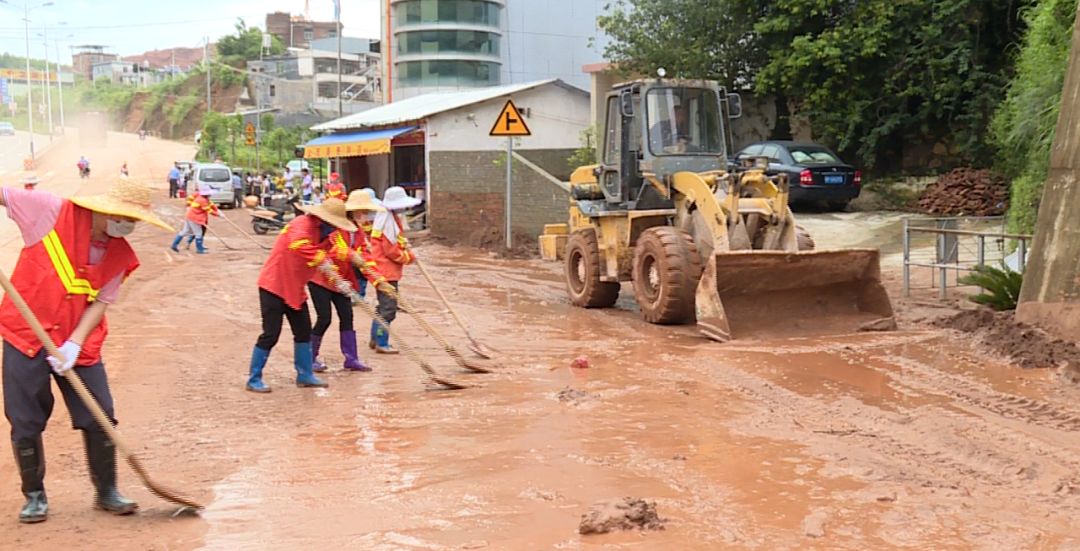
(129, 27)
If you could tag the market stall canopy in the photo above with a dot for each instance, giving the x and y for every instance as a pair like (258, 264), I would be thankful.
(354, 144)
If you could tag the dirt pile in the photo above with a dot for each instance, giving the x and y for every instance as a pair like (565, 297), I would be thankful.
(621, 514)
(967, 191)
(491, 239)
(1024, 345)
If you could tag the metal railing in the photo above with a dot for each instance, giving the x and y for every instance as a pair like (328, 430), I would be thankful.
(949, 247)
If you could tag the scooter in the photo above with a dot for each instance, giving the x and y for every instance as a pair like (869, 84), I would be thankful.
(274, 218)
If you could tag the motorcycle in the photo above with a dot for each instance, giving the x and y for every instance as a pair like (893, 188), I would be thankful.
(274, 217)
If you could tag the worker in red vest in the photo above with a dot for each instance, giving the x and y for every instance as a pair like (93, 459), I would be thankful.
(391, 253)
(335, 189)
(303, 247)
(200, 207)
(70, 270)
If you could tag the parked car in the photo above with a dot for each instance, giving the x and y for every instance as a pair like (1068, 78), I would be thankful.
(218, 177)
(7, 129)
(815, 173)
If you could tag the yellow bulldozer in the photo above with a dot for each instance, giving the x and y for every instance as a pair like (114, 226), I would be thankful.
(701, 240)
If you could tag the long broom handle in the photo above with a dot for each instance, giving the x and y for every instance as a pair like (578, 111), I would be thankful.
(246, 234)
(442, 297)
(73, 378)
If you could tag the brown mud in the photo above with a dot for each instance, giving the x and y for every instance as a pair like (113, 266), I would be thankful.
(1024, 345)
(622, 514)
(915, 439)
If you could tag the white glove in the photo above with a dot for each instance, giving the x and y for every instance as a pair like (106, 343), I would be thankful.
(70, 351)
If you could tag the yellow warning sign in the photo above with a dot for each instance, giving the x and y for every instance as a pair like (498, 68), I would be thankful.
(510, 122)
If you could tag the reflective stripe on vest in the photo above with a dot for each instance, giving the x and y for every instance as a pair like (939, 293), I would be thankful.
(62, 264)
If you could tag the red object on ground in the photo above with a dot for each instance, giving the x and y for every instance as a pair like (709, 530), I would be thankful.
(580, 362)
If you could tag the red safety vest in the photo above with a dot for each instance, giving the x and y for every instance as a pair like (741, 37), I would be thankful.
(199, 210)
(294, 260)
(390, 257)
(341, 243)
(55, 278)
(335, 190)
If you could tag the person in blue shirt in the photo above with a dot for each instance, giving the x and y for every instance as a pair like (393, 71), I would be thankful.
(237, 190)
(174, 181)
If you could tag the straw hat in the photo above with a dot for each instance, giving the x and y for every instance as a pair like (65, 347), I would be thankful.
(362, 200)
(125, 198)
(331, 211)
(395, 198)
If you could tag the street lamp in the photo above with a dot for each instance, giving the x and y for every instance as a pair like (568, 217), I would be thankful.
(60, 82)
(29, 89)
(44, 34)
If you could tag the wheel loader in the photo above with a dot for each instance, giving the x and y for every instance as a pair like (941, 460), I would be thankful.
(700, 240)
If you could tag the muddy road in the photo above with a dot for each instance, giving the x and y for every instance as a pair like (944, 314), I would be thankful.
(911, 439)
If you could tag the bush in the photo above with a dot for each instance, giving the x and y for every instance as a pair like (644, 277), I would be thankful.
(1001, 286)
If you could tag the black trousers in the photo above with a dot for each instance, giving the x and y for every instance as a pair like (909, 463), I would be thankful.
(387, 304)
(321, 299)
(174, 186)
(28, 397)
(238, 197)
(273, 309)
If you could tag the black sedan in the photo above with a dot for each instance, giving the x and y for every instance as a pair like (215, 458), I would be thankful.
(815, 173)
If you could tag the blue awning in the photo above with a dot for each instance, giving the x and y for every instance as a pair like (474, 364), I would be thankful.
(353, 144)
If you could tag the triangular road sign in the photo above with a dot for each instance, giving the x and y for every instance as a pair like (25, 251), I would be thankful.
(510, 122)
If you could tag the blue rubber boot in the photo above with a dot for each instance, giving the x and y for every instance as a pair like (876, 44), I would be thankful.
(190, 239)
(199, 246)
(316, 343)
(302, 360)
(374, 329)
(258, 362)
(176, 243)
(363, 287)
(382, 342)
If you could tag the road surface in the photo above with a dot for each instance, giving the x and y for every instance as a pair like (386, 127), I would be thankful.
(911, 439)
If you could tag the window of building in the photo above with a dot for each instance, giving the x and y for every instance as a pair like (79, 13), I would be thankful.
(470, 42)
(309, 34)
(273, 90)
(448, 73)
(474, 12)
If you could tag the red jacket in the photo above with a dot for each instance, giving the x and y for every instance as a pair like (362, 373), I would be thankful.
(390, 257)
(294, 259)
(335, 190)
(340, 246)
(199, 209)
(56, 280)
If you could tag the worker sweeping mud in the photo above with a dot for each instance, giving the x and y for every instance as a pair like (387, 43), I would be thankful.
(391, 253)
(301, 249)
(323, 292)
(70, 271)
(198, 216)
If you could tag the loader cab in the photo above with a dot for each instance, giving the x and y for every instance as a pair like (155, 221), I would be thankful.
(660, 127)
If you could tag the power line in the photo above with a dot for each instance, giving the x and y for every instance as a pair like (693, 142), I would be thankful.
(145, 24)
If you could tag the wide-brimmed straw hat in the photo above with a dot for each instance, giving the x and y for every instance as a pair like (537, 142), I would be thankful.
(395, 198)
(362, 200)
(125, 198)
(331, 211)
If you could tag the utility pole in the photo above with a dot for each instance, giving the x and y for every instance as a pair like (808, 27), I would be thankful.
(206, 63)
(337, 19)
(60, 87)
(48, 93)
(29, 87)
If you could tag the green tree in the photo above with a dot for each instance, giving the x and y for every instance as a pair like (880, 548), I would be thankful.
(245, 45)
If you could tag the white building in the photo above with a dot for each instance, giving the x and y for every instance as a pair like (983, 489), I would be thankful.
(125, 72)
(446, 45)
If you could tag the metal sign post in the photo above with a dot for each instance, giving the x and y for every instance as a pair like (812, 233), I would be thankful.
(509, 124)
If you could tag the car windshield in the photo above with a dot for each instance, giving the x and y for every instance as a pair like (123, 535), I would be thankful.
(684, 121)
(812, 156)
(6, 125)
(214, 175)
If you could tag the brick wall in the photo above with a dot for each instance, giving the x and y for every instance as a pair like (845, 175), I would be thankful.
(467, 194)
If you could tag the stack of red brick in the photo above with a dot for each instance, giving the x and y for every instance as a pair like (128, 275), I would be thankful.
(966, 192)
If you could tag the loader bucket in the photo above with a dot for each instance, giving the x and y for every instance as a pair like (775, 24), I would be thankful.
(776, 293)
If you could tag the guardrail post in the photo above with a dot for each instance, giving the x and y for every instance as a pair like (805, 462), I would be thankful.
(981, 258)
(943, 269)
(907, 260)
(1023, 255)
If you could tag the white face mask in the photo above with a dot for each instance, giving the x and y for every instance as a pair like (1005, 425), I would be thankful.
(119, 228)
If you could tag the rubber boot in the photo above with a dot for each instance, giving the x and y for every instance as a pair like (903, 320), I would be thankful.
(101, 455)
(316, 343)
(190, 240)
(348, 349)
(258, 362)
(374, 329)
(302, 360)
(199, 246)
(30, 459)
(176, 243)
(382, 342)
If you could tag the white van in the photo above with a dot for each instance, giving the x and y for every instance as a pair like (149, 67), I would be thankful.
(218, 177)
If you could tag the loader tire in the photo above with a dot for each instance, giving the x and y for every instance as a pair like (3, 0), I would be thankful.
(666, 270)
(804, 239)
(583, 273)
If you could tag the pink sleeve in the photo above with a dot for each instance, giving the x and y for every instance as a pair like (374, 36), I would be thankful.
(111, 291)
(34, 212)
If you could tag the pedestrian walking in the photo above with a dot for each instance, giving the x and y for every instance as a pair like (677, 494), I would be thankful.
(238, 190)
(324, 294)
(302, 248)
(200, 207)
(391, 253)
(70, 271)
